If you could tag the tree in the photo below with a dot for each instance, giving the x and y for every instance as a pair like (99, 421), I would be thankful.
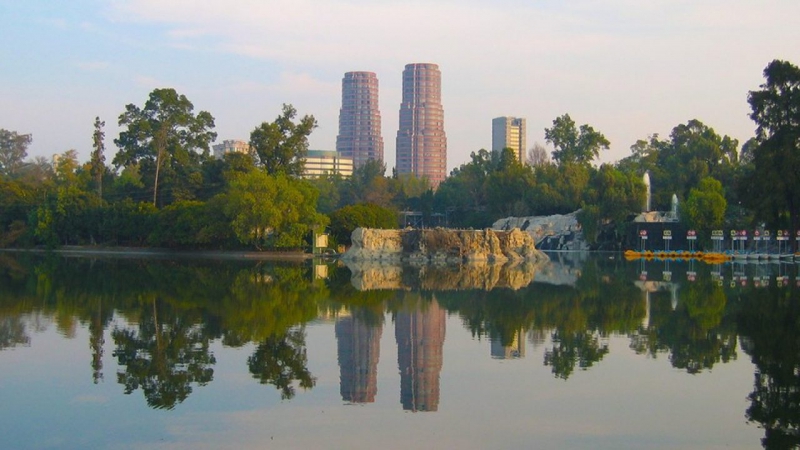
(573, 145)
(13, 150)
(775, 179)
(164, 135)
(272, 211)
(537, 155)
(347, 219)
(705, 207)
(98, 158)
(282, 145)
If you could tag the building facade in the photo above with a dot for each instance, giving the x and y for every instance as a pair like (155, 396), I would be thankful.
(321, 162)
(230, 145)
(510, 132)
(421, 140)
(359, 135)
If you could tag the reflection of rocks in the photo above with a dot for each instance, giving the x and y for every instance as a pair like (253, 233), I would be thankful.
(478, 275)
(441, 245)
(556, 232)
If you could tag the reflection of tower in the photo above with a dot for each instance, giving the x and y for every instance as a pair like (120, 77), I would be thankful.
(359, 350)
(515, 350)
(420, 338)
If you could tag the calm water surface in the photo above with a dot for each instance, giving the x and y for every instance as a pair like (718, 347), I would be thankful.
(589, 351)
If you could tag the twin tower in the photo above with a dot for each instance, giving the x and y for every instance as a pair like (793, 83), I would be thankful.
(421, 141)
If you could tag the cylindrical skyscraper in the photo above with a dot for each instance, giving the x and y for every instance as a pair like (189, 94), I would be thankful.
(421, 141)
(360, 119)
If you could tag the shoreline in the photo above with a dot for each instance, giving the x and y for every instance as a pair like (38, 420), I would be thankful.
(135, 252)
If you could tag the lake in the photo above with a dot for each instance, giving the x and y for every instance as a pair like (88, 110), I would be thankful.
(588, 351)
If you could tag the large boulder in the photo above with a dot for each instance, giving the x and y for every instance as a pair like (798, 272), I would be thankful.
(556, 232)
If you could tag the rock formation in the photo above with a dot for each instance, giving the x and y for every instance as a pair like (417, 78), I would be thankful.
(556, 232)
(442, 245)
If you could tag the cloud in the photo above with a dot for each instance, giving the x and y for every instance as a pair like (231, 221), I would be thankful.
(632, 67)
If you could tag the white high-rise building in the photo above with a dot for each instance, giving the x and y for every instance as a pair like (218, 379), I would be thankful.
(510, 132)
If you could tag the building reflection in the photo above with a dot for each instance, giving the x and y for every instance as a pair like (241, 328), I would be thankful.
(513, 350)
(420, 339)
(358, 348)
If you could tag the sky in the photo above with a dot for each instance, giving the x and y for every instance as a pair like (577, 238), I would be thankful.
(628, 68)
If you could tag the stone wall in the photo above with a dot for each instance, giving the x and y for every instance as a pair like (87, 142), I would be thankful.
(441, 245)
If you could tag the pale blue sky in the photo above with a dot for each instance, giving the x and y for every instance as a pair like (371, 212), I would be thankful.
(627, 67)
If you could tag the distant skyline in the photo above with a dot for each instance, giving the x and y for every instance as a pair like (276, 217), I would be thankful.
(628, 68)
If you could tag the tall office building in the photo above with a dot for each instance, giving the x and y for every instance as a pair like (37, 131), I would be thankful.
(421, 141)
(510, 132)
(360, 119)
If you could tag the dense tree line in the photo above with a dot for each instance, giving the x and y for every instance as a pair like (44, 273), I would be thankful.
(163, 187)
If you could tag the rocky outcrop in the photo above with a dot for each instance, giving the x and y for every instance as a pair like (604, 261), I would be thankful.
(442, 245)
(556, 232)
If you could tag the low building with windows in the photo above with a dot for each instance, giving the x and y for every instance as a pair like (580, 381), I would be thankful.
(229, 146)
(321, 162)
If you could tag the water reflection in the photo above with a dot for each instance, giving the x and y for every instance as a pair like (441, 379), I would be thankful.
(419, 330)
(358, 351)
(161, 318)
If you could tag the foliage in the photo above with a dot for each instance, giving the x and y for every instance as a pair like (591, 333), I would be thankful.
(705, 207)
(693, 151)
(163, 138)
(13, 150)
(187, 223)
(773, 185)
(98, 160)
(281, 146)
(270, 211)
(574, 145)
(367, 215)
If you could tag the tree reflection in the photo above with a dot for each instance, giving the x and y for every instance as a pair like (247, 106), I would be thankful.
(770, 325)
(12, 332)
(582, 348)
(165, 355)
(281, 361)
(698, 333)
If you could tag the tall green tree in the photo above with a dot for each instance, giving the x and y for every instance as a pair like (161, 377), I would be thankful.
(573, 144)
(98, 156)
(775, 180)
(270, 211)
(281, 146)
(705, 207)
(164, 135)
(13, 150)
